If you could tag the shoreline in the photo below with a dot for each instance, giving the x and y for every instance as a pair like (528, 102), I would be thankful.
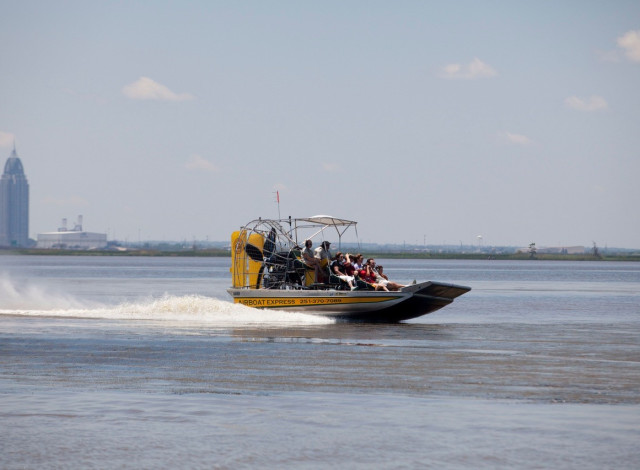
(221, 253)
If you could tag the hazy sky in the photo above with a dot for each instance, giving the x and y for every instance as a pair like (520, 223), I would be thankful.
(423, 120)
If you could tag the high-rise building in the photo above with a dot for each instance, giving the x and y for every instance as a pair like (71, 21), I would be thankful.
(14, 203)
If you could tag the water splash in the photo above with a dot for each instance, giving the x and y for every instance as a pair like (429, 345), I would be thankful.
(29, 296)
(195, 308)
(34, 300)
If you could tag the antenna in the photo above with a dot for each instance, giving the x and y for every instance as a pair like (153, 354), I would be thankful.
(278, 201)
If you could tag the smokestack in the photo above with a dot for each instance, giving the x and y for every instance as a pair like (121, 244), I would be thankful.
(78, 226)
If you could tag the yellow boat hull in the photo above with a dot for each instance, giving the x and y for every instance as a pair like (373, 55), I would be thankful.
(370, 306)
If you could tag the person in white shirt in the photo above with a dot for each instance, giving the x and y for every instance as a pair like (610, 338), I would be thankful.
(323, 255)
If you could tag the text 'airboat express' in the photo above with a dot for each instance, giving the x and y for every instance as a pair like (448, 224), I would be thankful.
(269, 272)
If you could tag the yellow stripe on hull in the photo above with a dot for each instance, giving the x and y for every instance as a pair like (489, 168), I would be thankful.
(283, 302)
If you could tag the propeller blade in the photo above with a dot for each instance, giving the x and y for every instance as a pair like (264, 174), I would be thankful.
(254, 253)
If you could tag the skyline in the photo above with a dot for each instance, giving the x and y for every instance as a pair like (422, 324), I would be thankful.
(421, 120)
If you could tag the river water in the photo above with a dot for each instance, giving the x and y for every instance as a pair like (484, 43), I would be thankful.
(124, 362)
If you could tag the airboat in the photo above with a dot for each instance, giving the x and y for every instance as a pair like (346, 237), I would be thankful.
(267, 272)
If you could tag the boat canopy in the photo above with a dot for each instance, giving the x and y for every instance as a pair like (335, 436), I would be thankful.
(322, 222)
(328, 220)
(296, 230)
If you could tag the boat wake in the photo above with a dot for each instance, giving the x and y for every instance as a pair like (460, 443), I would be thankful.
(191, 308)
(29, 296)
(35, 301)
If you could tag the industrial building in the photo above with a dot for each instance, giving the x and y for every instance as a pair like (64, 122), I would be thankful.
(74, 239)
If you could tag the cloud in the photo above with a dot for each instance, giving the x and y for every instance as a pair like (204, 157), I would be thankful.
(630, 42)
(593, 103)
(197, 162)
(6, 139)
(474, 69)
(76, 201)
(517, 139)
(146, 89)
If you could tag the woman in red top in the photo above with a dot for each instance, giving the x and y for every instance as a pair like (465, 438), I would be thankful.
(368, 275)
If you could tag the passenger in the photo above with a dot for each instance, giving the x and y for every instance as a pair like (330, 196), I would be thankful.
(337, 269)
(351, 268)
(348, 265)
(368, 274)
(323, 255)
(384, 280)
(310, 260)
(356, 261)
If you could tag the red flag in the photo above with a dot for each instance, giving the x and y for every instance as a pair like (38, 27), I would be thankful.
(278, 195)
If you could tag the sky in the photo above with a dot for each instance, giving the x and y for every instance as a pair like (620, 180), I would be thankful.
(426, 121)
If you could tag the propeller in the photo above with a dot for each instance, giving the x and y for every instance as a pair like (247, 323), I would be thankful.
(270, 243)
(260, 256)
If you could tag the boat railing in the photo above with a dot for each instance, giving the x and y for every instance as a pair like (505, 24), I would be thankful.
(266, 253)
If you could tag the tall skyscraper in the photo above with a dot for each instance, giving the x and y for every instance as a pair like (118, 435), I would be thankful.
(14, 203)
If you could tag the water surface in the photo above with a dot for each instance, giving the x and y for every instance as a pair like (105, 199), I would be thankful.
(144, 362)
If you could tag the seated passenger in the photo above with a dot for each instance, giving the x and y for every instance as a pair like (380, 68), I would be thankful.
(368, 274)
(356, 261)
(348, 264)
(382, 278)
(337, 269)
(351, 268)
(310, 260)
